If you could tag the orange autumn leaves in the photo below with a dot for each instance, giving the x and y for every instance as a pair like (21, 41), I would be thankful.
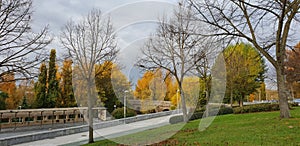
(157, 85)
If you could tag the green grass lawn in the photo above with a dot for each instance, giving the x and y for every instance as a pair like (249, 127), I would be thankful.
(243, 129)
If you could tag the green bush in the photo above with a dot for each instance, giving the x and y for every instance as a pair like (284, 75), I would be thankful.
(293, 104)
(196, 115)
(176, 119)
(119, 113)
(222, 111)
(225, 110)
(256, 108)
(173, 107)
(200, 109)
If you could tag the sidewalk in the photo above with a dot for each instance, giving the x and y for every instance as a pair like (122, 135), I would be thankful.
(110, 132)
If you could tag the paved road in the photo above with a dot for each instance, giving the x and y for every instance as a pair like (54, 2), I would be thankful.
(34, 129)
(115, 131)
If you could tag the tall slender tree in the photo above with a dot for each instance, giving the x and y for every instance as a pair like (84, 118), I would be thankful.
(171, 87)
(40, 89)
(53, 84)
(175, 48)
(89, 42)
(3, 97)
(67, 98)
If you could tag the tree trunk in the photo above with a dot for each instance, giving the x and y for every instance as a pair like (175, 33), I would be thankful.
(292, 92)
(183, 105)
(241, 100)
(231, 98)
(90, 114)
(283, 95)
(241, 103)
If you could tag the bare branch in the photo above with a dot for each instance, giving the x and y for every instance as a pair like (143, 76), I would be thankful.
(21, 51)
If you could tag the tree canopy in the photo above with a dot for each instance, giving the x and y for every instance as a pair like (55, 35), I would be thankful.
(245, 71)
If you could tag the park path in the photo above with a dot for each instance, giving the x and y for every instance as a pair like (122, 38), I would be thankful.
(109, 132)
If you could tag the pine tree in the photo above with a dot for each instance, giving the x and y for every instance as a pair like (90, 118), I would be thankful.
(40, 88)
(53, 84)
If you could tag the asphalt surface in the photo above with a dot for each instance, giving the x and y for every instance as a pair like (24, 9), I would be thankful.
(103, 133)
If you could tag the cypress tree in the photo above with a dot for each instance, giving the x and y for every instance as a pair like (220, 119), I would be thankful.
(53, 84)
(40, 88)
(67, 98)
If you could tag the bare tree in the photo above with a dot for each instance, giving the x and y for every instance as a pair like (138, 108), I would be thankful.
(264, 23)
(21, 50)
(89, 42)
(175, 48)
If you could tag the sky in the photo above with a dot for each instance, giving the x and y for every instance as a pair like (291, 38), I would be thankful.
(133, 21)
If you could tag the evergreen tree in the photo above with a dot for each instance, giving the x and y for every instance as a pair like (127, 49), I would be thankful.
(110, 83)
(67, 98)
(53, 84)
(40, 88)
(24, 104)
(3, 97)
(171, 87)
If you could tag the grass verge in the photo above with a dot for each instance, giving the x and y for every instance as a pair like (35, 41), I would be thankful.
(244, 129)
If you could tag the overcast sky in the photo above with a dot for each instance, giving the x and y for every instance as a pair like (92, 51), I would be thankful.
(133, 20)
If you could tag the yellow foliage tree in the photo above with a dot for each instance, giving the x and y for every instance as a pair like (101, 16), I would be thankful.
(251, 97)
(191, 89)
(111, 85)
(8, 85)
(142, 90)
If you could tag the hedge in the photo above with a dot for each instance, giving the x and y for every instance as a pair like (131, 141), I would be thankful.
(199, 115)
(119, 113)
(256, 108)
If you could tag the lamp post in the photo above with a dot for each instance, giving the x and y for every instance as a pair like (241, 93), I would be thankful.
(177, 101)
(126, 91)
(20, 107)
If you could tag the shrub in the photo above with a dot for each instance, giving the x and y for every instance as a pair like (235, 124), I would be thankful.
(119, 113)
(200, 109)
(149, 111)
(173, 107)
(176, 119)
(196, 115)
(293, 104)
(222, 111)
(225, 110)
(256, 108)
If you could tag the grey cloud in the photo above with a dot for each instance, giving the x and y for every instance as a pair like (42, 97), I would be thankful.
(132, 20)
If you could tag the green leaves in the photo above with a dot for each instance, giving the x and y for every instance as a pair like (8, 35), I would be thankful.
(245, 68)
(40, 88)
